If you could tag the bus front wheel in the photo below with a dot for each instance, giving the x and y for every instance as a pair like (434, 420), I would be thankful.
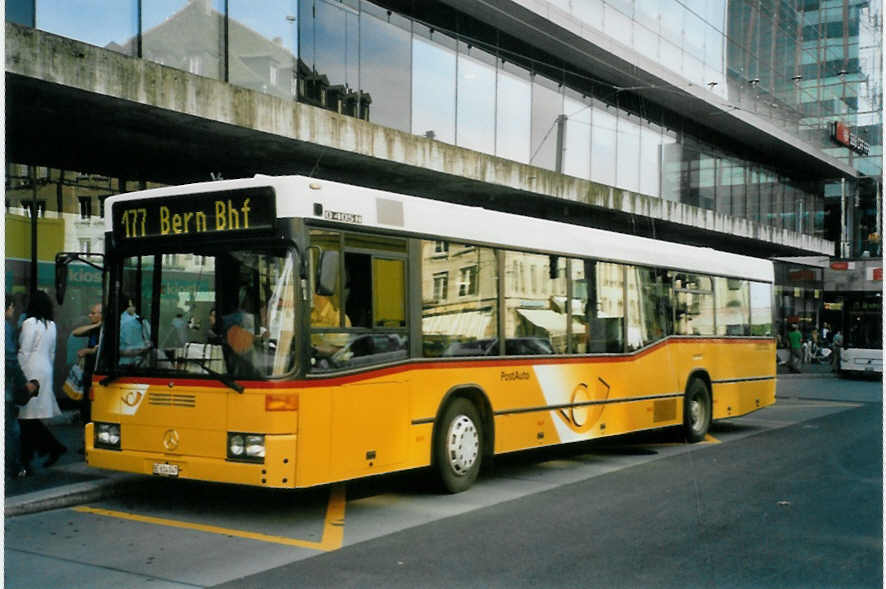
(458, 446)
(697, 411)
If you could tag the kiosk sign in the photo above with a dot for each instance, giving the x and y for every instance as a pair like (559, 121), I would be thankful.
(226, 211)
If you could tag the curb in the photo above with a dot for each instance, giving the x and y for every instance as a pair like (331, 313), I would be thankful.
(69, 495)
(806, 375)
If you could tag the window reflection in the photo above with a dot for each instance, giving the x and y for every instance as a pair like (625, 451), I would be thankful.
(598, 305)
(650, 159)
(603, 139)
(649, 306)
(21, 12)
(185, 35)
(645, 41)
(336, 43)
(733, 306)
(628, 153)
(476, 99)
(459, 300)
(385, 66)
(617, 24)
(547, 106)
(577, 159)
(513, 113)
(433, 90)
(536, 316)
(77, 20)
(693, 304)
(761, 308)
(263, 45)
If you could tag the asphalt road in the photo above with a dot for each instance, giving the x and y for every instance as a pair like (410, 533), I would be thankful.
(794, 507)
(790, 496)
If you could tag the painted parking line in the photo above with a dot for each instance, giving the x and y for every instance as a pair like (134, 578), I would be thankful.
(333, 525)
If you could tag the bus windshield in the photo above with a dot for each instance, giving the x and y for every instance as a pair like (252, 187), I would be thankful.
(225, 314)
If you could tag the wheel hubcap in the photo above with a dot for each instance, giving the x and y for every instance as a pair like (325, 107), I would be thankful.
(695, 413)
(463, 445)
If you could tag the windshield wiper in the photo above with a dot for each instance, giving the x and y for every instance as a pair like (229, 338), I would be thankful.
(222, 378)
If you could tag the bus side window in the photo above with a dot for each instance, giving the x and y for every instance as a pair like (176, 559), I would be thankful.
(371, 294)
(459, 300)
(535, 324)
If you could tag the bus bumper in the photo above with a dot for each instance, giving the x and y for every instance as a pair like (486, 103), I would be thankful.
(277, 471)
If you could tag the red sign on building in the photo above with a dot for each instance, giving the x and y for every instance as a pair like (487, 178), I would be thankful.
(841, 134)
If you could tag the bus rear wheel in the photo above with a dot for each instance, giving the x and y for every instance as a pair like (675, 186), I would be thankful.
(697, 409)
(458, 446)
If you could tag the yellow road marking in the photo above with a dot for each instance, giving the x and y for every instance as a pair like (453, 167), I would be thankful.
(708, 439)
(333, 525)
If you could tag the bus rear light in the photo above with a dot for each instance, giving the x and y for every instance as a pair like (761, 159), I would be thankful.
(281, 402)
(107, 436)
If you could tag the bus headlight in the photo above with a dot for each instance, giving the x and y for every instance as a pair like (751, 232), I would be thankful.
(107, 435)
(246, 447)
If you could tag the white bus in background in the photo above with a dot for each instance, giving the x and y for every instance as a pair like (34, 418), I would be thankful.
(862, 351)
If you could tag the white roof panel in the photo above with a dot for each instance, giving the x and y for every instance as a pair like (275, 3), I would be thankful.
(362, 207)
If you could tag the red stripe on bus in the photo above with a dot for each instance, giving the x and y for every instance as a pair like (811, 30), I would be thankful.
(333, 380)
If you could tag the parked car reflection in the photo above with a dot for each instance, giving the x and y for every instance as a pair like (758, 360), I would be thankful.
(363, 350)
(516, 346)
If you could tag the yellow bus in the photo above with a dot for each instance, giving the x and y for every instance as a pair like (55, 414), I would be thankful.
(289, 332)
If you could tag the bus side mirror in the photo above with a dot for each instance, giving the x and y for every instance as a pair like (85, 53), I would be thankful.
(62, 259)
(61, 277)
(327, 273)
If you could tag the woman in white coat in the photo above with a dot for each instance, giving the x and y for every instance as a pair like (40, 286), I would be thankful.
(36, 354)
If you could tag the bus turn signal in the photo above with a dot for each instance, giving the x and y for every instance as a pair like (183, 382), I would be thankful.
(281, 402)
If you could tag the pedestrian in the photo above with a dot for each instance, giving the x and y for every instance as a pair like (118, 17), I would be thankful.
(826, 333)
(177, 336)
(814, 347)
(87, 356)
(134, 334)
(36, 355)
(212, 332)
(796, 340)
(19, 390)
(838, 347)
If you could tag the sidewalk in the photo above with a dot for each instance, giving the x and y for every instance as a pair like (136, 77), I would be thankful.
(68, 482)
(71, 482)
(806, 370)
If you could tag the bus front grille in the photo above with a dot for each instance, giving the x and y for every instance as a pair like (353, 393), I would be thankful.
(172, 400)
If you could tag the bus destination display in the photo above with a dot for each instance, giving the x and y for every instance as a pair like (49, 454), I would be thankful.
(227, 211)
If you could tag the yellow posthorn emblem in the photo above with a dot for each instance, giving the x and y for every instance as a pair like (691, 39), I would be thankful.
(132, 398)
(170, 440)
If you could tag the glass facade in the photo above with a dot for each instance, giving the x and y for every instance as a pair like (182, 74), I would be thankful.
(471, 89)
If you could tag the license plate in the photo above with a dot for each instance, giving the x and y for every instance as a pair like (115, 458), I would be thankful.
(166, 470)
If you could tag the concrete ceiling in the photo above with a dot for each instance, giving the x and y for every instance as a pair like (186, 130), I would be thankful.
(58, 126)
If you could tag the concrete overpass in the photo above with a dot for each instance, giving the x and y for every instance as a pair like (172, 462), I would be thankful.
(79, 107)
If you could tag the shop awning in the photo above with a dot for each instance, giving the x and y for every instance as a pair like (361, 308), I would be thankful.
(470, 324)
(551, 321)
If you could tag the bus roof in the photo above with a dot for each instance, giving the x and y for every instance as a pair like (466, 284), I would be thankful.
(363, 208)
